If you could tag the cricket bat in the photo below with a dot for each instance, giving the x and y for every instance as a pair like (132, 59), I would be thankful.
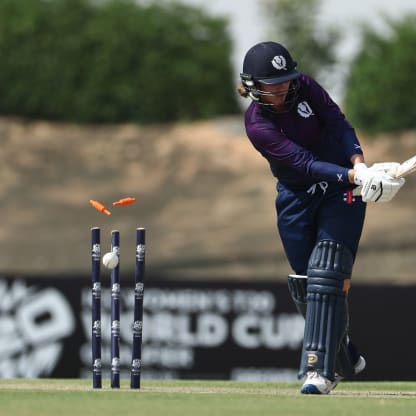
(406, 168)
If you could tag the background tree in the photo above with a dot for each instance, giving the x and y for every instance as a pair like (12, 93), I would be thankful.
(113, 61)
(382, 83)
(295, 24)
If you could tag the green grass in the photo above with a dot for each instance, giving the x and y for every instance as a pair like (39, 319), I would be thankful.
(45, 397)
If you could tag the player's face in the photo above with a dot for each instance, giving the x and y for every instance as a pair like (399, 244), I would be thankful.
(274, 95)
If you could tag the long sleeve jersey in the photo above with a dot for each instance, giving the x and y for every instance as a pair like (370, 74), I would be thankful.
(312, 142)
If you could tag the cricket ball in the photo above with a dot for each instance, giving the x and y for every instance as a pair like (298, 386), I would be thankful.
(110, 260)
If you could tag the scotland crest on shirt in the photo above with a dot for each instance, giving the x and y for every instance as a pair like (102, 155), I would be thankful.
(304, 109)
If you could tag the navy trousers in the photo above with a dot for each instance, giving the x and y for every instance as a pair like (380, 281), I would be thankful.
(322, 212)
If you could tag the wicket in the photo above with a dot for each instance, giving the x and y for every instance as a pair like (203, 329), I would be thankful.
(115, 309)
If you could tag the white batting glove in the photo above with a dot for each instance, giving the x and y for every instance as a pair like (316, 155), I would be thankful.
(358, 167)
(377, 186)
(387, 167)
(390, 188)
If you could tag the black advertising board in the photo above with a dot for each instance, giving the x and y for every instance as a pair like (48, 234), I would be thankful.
(195, 330)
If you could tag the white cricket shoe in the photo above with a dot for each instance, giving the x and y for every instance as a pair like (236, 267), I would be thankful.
(316, 384)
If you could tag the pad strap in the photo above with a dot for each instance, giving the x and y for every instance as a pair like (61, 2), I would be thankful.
(297, 289)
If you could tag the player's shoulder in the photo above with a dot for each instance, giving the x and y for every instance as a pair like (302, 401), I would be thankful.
(308, 83)
(259, 125)
(254, 114)
(313, 92)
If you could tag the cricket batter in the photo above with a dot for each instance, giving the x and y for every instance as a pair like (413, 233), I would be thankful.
(315, 154)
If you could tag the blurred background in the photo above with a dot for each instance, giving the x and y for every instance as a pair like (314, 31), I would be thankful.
(103, 99)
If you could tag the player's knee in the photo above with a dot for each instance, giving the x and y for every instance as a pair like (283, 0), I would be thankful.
(330, 267)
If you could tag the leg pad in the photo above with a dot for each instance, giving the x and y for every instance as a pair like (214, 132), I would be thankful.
(330, 265)
(347, 354)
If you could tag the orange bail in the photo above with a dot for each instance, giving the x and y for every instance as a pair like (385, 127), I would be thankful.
(99, 207)
(124, 201)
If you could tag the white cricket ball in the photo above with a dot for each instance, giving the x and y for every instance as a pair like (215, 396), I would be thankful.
(110, 260)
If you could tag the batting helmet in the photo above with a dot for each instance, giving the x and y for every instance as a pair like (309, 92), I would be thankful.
(269, 63)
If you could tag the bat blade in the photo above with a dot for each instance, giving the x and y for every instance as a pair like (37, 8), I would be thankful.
(406, 168)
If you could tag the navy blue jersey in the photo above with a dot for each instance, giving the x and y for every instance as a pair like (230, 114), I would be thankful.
(312, 142)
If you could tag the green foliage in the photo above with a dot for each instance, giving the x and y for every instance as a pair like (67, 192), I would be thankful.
(294, 23)
(381, 87)
(113, 61)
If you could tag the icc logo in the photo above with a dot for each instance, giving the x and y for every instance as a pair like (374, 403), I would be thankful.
(137, 328)
(136, 364)
(96, 252)
(140, 252)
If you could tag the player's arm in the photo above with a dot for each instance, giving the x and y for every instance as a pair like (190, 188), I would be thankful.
(276, 146)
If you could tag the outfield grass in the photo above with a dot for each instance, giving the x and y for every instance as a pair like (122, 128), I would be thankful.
(45, 397)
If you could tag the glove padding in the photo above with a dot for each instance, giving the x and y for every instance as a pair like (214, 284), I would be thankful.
(387, 167)
(376, 185)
